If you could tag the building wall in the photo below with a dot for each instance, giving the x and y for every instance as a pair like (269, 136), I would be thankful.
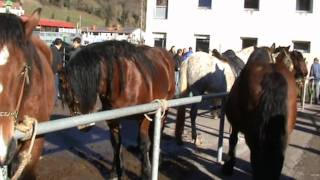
(227, 21)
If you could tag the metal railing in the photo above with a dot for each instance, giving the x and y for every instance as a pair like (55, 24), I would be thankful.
(65, 123)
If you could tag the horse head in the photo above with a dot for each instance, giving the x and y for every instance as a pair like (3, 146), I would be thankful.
(299, 64)
(293, 60)
(282, 55)
(16, 54)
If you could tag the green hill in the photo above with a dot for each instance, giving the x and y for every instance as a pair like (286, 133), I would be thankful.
(91, 12)
(71, 15)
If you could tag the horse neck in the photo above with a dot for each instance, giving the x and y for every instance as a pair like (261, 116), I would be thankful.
(286, 61)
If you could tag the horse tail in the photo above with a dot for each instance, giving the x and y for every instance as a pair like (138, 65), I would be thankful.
(183, 80)
(273, 125)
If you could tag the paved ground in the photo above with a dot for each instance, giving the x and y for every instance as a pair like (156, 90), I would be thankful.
(71, 154)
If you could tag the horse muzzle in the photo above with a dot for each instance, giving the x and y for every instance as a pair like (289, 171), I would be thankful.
(7, 151)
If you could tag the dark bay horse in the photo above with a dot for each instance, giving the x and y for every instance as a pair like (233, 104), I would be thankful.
(26, 89)
(262, 105)
(122, 75)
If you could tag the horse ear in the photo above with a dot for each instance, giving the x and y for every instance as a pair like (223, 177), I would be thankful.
(32, 22)
(287, 48)
(273, 47)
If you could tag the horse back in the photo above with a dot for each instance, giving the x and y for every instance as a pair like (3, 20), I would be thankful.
(137, 82)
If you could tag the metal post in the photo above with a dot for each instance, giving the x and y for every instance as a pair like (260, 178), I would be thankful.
(156, 145)
(221, 132)
(304, 93)
(312, 92)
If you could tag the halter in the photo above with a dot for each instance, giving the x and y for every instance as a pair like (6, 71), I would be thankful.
(26, 80)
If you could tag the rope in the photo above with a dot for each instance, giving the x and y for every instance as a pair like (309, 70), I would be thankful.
(163, 105)
(29, 127)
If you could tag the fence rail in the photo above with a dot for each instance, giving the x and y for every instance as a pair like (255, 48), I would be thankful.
(65, 123)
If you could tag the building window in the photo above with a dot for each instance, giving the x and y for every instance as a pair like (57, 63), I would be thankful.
(304, 5)
(160, 39)
(303, 46)
(251, 4)
(247, 42)
(202, 43)
(205, 4)
(161, 9)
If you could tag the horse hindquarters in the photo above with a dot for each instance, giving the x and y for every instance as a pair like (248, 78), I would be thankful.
(267, 142)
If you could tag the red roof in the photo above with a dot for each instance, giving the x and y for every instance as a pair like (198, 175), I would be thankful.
(52, 23)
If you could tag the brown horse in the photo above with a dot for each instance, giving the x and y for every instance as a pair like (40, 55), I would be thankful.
(297, 65)
(26, 88)
(122, 75)
(259, 106)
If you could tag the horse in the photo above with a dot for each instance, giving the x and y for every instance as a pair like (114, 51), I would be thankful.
(121, 74)
(26, 92)
(201, 73)
(230, 56)
(244, 54)
(262, 105)
(297, 65)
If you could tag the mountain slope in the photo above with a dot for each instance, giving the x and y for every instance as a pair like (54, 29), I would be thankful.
(92, 12)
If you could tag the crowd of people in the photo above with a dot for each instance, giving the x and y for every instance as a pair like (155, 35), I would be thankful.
(179, 56)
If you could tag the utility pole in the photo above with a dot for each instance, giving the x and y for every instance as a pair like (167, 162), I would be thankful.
(141, 20)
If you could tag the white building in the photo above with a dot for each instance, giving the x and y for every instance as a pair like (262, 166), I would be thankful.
(233, 24)
(91, 35)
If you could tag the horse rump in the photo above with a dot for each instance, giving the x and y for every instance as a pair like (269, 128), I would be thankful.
(272, 131)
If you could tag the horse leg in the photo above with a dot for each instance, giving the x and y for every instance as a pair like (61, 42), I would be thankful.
(29, 170)
(193, 116)
(145, 145)
(227, 168)
(117, 169)
(180, 121)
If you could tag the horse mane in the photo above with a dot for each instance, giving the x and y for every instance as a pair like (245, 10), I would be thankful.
(234, 60)
(84, 70)
(296, 54)
(260, 54)
(12, 31)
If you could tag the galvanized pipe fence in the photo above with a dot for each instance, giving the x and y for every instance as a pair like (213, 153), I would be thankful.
(70, 122)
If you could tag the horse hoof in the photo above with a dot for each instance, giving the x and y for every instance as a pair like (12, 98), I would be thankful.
(227, 168)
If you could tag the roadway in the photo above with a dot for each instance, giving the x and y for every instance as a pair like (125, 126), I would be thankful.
(70, 154)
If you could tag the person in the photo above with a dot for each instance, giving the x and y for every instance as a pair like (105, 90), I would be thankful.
(57, 61)
(172, 51)
(177, 58)
(76, 43)
(315, 73)
(187, 54)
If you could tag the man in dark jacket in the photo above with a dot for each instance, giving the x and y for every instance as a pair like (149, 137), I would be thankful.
(76, 43)
(57, 61)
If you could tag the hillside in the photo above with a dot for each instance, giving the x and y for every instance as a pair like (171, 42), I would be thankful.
(91, 12)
